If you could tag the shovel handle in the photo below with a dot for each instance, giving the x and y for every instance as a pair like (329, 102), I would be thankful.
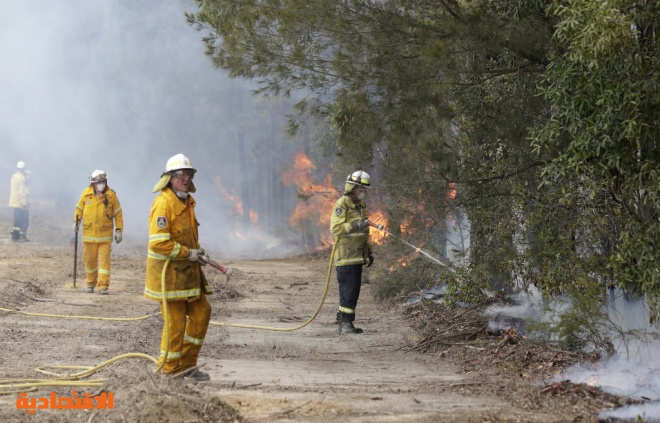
(75, 252)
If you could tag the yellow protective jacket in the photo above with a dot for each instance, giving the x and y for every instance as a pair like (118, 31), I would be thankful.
(100, 215)
(173, 231)
(18, 196)
(352, 244)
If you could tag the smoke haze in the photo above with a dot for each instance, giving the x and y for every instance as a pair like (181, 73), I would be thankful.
(121, 86)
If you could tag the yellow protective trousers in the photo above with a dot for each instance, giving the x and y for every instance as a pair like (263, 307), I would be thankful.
(97, 263)
(186, 334)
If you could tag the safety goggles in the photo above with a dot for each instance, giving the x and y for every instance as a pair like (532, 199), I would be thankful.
(185, 174)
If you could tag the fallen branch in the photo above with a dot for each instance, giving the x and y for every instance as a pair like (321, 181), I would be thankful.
(285, 412)
(506, 340)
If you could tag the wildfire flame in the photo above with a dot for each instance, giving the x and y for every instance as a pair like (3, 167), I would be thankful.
(317, 201)
(376, 236)
(237, 204)
(451, 191)
(404, 261)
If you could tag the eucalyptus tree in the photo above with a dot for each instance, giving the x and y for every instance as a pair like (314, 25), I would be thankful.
(445, 94)
(394, 77)
(601, 143)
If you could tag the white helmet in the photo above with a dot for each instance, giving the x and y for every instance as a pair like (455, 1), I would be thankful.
(359, 177)
(177, 162)
(98, 176)
(20, 165)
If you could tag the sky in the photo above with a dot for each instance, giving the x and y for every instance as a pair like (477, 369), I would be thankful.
(121, 86)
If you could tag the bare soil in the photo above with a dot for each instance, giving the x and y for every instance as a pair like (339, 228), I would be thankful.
(307, 375)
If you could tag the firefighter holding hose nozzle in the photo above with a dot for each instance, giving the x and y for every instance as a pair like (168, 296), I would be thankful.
(173, 235)
(350, 227)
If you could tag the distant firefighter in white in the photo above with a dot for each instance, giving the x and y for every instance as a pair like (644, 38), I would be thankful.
(19, 201)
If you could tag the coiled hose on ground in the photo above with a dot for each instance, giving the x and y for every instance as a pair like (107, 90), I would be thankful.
(12, 386)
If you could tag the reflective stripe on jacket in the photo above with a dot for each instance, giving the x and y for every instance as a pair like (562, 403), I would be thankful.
(173, 231)
(352, 245)
(100, 215)
(18, 196)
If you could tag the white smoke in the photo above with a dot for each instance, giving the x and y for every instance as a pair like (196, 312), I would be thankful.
(634, 370)
(122, 86)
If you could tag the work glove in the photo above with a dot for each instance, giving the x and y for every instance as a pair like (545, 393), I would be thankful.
(194, 254)
(371, 260)
(118, 237)
(360, 224)
(203, 258)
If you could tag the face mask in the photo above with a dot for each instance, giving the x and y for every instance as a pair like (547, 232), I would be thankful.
(182, 195)
(362, 195)
(100, 187)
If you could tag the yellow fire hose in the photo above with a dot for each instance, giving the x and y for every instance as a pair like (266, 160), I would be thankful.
(29, 385)
(302, 325)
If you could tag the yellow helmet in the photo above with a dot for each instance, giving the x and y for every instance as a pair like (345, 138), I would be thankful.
(357, 178)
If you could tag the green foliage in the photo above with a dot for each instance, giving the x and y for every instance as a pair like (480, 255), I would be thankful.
(579, 329)
(541, 114)
(601, 139)
(578, 321)
(397, 282)
(471, 287)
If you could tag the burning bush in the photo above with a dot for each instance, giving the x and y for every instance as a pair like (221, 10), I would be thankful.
(395, 278)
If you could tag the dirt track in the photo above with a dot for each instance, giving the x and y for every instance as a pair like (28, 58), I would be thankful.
(311, 374)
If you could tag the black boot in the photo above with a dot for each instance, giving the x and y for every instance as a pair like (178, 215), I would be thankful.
(346, 327)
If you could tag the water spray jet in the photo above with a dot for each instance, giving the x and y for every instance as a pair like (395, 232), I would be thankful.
(417, 249)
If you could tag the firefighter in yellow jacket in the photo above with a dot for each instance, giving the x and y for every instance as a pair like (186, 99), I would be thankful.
(18, 200)
(100, 213)
(348, 224)
(174, 242)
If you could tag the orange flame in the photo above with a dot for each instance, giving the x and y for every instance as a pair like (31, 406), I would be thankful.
(376, 236)
(404, 261)
(313, 213)
(237, 204)
(233, 199)
(451, 190)
(407, 260)
(254, 217)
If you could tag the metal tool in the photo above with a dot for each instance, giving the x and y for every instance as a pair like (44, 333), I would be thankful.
(208, 260)
(75, 254)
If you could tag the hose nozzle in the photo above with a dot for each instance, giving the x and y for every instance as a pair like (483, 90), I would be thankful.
(205, 259)
(375, 225)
